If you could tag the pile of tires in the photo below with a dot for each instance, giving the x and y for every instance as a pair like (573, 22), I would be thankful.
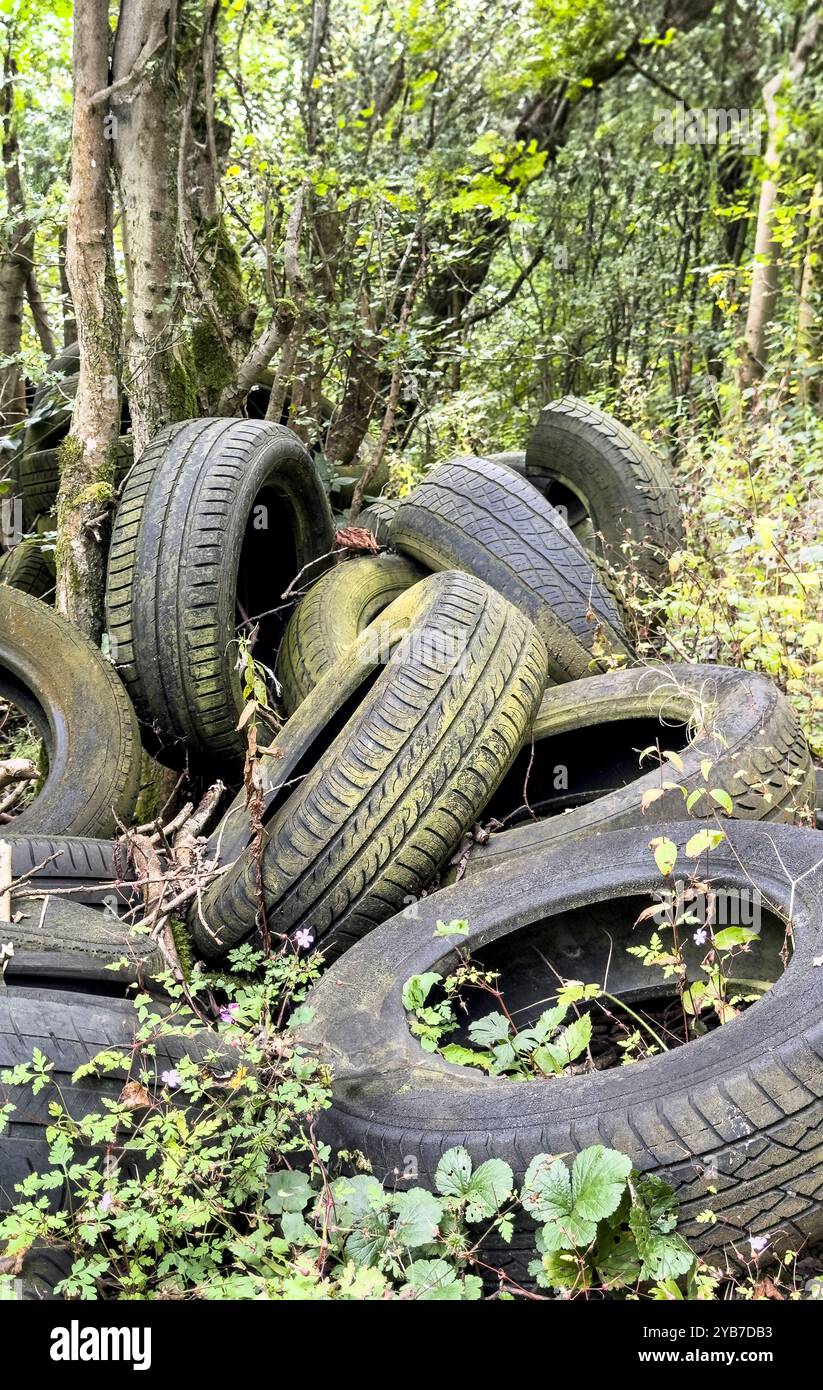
(419, 701)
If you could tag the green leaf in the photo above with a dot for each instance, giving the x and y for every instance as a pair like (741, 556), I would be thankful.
(417, 989)
(723, 799)
(567, 1046)
(703, 840)
(491, 1029)
(466, 1057)
(733, 936)
(459, 927)
(665, 853)
(453, 1173)
(419, 1215)
(288, 1192)
(598, 1181)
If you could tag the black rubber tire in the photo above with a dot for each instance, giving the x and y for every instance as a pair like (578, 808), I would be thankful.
(333, 614)
(579, 452)
(734, 1120)
(29, 567)
(88, 868)
(379, 518)
(61, 943)
(40, 477)
(376, 814)
(70, 1029)
(739, 720)
(178, 567)
(82, 713)
(473, 515)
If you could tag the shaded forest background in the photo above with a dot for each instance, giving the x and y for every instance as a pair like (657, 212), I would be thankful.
(400, 228)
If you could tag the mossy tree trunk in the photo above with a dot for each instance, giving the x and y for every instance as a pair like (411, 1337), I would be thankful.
(87, 467)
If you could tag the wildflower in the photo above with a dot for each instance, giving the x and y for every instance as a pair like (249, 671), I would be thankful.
(303, 939)
(700, 937)
(105, 1201)
(758, 1244)
(227, 1014)
(171, 1078)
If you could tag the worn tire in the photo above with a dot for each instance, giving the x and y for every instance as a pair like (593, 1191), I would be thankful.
(29, 567)
(585, 458)
(333, 614)
(738, 720)
(376, 815)
(87, 868)
(379, 518)
(734, 1120)
(40, 476)
(59, 942)
(82, 713)
(185, 552)
(473, 515)
(70, 1029)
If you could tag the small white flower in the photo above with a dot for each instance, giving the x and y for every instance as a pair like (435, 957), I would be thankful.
(758, 1244)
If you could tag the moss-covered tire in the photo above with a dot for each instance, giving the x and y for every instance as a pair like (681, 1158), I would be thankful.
(474, 515)
(40, 476)
(70, 1029)
(420, 751)
(379, 518)
(734, 1120)
(581, 457)
(82, 713)
(29, 567)
(216, 519)
(737, 720)
(332, 614)
(89, 868)
(60, 942)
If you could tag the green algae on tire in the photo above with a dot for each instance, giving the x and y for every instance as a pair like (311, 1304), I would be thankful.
(332, 615)
(434, 699)
(216, 519)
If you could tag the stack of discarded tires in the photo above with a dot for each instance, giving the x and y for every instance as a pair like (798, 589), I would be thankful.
(463, 703)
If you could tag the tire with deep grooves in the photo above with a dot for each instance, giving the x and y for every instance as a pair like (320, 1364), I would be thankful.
(58, 941)
(379, 518)
(40, 476)
(29, 567)
(734, 1120)
(387, 802)
(176, 564)
(332, 614)
(74, 697)
(739, 721)
(89, 868)
(474, 515)
(624, 488)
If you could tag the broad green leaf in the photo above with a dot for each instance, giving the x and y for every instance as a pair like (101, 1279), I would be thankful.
(665, 853)
(704, 840)
(491, 1029)
(417, 989)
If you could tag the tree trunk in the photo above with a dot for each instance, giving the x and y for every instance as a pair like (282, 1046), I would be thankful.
(142, 103)
(15, 262)
(766, 272)
(808, 338)
(87, 468)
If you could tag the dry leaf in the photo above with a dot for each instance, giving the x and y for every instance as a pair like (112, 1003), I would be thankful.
(765, 1288)
(356, 538)
(134, 1096)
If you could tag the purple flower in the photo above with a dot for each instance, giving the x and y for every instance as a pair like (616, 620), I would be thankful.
(303, 939)
(171, 1078)
(227, 1014)
(758, 1244)
(105, 1201)
(700, 937)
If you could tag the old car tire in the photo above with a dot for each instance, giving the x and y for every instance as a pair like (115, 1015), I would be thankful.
(187, 554)
(332, 614)
(581, 457)
(56, 677)
(734, 1119)
(422, 747)
(473, 515)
